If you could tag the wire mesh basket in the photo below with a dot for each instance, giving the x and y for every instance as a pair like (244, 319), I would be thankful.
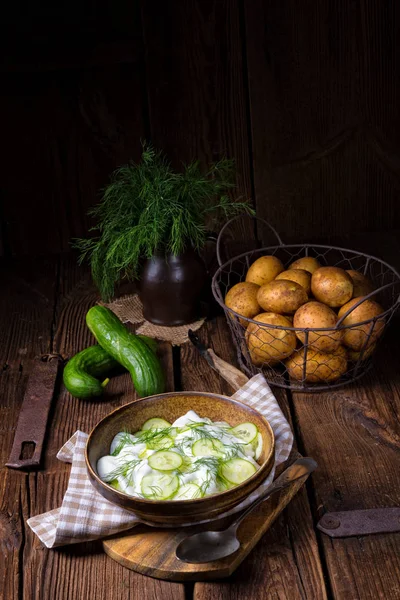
(309, 358)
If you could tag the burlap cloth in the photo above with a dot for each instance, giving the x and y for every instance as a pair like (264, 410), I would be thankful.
(129, 310)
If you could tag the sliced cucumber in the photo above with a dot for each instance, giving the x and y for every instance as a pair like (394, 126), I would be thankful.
(258, 447)
(115, 484)
(164, 460)
(237, 470)
(222, 424)
(188, 491)
(159, 486)
(245, 431)
(156, 423)
(145, 453)
(161, 443)
(208, 447)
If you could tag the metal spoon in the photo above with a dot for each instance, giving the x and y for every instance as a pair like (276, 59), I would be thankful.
(212, 545)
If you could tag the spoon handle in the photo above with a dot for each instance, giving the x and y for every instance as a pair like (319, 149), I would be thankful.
(300, 468)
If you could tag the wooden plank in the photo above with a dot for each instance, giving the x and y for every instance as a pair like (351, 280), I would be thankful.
(76, 127)
(323, 132)
(26, 312)
(82, 570)
(77, 56)
(288, 552)
(354, 434)
(195, 84)
(74, 37)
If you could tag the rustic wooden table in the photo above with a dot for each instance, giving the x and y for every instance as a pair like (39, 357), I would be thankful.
(353, 433)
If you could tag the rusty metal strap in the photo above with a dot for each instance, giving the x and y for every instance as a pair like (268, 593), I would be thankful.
(32, 421)
(360, 522)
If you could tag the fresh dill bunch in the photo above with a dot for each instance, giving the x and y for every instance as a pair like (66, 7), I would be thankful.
(149, 208)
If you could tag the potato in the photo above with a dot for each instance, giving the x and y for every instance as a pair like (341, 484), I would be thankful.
(307, 263)
(355, 356)
(300, 276)
(264, 270)
(281, 296)
(269, 343)
(355, 337)
(242, 298)
(341, 351)
(332, 286)
(320, 367)
(316, 315)
(362, 286)
(259, 362)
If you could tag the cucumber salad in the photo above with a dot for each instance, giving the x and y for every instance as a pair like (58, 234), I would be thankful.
(190, 458)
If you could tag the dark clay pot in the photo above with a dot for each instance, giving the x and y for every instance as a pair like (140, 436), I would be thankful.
(170, 288)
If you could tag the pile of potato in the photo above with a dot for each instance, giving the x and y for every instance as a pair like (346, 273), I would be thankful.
(305, 296)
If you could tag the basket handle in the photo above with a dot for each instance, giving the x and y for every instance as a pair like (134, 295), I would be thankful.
(363, 299)
(229, 223)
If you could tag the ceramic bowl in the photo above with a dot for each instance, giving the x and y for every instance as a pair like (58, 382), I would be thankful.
(170, 406)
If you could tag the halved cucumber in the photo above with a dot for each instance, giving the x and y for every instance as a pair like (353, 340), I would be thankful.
(156, 423)
(208, 447)
(188, 491)
(159, 486)
(245, 431)
(237, 470)
(164, 460)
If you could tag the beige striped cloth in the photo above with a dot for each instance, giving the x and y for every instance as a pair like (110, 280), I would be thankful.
(85, 515)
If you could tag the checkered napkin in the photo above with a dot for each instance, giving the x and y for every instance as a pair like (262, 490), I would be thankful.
(85, 515)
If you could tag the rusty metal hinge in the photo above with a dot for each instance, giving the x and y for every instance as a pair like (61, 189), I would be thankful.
(34, 413)
(360, 522)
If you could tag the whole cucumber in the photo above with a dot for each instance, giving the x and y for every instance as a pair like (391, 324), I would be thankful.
(81, 372)
(128, 349)
(152, 344)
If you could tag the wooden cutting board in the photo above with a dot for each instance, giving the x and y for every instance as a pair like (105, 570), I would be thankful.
(151, 551)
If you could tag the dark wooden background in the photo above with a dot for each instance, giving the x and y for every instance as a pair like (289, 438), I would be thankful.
(304, 95)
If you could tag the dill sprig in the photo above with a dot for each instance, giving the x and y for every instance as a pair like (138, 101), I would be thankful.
(213, 465)
(153, 438)
(148, 207)
(124, 470)
(125, 438)
(231, 449)
(156, 492)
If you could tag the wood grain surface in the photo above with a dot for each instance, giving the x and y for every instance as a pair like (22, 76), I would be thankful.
(196, 86)
(355, 437)
(323, 90)
(353, 434)
(84, 570)
(305, 102)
